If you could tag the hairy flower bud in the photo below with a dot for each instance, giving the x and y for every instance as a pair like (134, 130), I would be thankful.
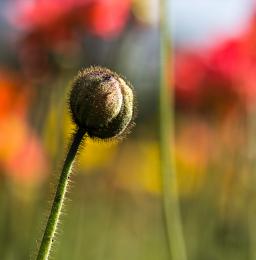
(101, 102)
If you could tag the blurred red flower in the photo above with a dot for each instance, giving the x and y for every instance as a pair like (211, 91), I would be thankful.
(53, 29)
(190, 69)
(200, 88)
(236, 59)
(219, 77)
(102, 17)
(107, 17)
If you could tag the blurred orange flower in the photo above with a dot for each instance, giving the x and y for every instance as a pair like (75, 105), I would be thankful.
(13, 98)
(21, 154)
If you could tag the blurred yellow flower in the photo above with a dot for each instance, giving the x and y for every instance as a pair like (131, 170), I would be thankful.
(138, 166)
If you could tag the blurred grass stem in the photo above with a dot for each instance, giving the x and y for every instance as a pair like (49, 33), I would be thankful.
(171, 208)
(53, 219)
(251, 163)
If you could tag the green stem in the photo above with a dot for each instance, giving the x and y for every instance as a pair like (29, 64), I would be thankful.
(53, 219)
(251, 156)
(171, 206)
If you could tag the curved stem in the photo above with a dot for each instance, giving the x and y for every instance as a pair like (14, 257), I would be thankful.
(53, 219)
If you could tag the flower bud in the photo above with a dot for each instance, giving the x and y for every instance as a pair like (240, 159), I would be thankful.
(101, 102)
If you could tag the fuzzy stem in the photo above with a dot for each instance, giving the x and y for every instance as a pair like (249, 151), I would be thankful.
(53, 219)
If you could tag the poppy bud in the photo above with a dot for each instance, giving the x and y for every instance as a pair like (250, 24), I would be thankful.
(101, 103)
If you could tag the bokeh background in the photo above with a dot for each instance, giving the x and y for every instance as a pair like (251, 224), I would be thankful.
(114, 205)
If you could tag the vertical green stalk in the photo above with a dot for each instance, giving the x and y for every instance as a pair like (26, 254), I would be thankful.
(53, 219)
(171, 207)
(251, 159)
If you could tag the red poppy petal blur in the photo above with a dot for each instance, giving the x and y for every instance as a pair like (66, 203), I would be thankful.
(40, 13)
(224, 73)
(108, 17)
(189, 73)
(101, 17)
